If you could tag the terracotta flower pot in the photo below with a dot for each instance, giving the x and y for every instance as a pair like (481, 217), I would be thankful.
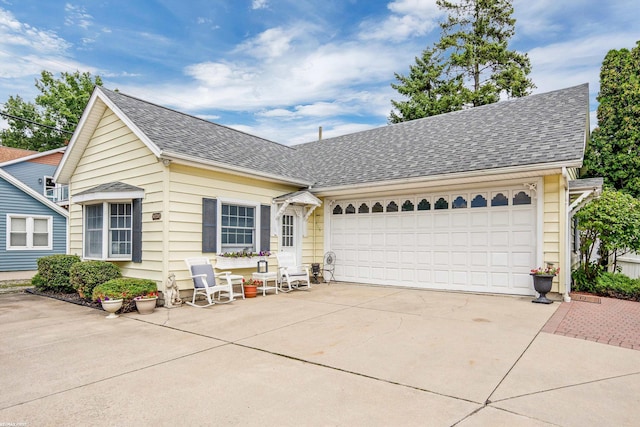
(250, 291)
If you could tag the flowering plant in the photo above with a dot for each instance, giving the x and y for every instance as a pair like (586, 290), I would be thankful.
(549, 270)
(251, 282)
(152, 294)
(244, 254)
(109, 295)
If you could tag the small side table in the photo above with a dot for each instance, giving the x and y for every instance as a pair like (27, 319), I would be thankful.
(265, 278)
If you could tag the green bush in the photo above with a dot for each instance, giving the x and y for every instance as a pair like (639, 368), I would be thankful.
(37, 281)
(125, 288)
(581, 280)
(54, 273)
(84, 276)
(616, 285)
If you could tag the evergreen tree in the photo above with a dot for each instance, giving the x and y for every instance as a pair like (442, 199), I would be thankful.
(614, 150)
(41, 126)
(469, 66)
(428, 90)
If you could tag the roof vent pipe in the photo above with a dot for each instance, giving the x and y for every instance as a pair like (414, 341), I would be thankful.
(319, 133)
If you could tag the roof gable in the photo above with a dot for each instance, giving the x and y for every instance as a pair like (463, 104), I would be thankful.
(30, 192)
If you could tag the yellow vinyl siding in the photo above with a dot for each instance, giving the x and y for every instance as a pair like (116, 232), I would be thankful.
(114, 153)
(187, 187)
(553, 226)
(313, 244)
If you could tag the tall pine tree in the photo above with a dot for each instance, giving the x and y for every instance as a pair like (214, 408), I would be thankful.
(471, 64)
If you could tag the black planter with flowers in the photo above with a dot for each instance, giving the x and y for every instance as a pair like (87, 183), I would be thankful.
(542, 282)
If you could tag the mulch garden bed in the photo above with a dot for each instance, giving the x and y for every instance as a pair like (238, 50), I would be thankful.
(74, 298)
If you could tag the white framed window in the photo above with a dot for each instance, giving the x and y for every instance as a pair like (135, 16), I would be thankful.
(238, 225)
(108, 231)
(287, 231)
(26, 232)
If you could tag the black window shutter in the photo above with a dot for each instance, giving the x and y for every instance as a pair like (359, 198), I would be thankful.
(209, 225)
(265, 227)
(136, 230)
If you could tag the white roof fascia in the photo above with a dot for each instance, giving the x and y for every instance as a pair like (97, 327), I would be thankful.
(79, 137)
(29, 191)
(517, 172)
(33, 156)
(237, 170)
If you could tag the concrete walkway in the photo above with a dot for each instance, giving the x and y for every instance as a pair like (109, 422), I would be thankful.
(336, 355)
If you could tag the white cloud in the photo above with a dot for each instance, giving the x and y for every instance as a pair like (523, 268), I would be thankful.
(573, 62)
(259, 4)
(302, 132)
(14, 34)
(409, 18)
(77, 16)
(271, 43)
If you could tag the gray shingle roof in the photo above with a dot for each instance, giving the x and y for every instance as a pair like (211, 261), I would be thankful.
(178, 133)
(110, 187)
(534, 130)
(544, 128)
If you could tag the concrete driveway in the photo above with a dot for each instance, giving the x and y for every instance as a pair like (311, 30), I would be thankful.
(344, 355)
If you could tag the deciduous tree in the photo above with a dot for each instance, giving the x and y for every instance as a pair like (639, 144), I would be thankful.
(49, 121)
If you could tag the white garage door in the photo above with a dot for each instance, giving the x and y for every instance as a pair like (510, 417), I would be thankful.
(481, 241)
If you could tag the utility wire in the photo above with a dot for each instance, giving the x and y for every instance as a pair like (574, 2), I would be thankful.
(11, 116)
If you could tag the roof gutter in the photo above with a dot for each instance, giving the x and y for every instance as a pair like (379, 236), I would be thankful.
(224, 167)
(500, 174)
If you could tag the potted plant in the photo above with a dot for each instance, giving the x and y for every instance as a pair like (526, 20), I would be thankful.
(542, 281)
(111, 298)
(128, 289)
(251, 288)
(145, 304)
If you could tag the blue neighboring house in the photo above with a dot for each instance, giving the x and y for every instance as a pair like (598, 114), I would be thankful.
(33, 218)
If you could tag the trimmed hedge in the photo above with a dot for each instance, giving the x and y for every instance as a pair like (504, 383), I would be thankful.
(53, 273)
(85, 276)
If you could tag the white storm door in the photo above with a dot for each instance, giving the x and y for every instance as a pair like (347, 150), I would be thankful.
(290, 235)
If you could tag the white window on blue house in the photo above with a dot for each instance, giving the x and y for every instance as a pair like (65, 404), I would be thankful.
(108, 231)
(29, 232)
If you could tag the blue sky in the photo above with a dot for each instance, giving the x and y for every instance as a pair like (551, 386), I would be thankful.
(281, 68)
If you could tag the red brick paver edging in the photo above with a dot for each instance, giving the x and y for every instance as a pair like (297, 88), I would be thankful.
(612, 321)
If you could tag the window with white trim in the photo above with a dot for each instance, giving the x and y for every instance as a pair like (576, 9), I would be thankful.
(29, 232)
(108, 230)
(238, 227)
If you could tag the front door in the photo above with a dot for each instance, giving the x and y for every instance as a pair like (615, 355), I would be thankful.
(289, 236)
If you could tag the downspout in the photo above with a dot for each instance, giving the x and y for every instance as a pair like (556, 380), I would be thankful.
(567, 237)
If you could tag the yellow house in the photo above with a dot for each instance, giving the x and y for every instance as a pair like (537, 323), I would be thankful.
(468, 201)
